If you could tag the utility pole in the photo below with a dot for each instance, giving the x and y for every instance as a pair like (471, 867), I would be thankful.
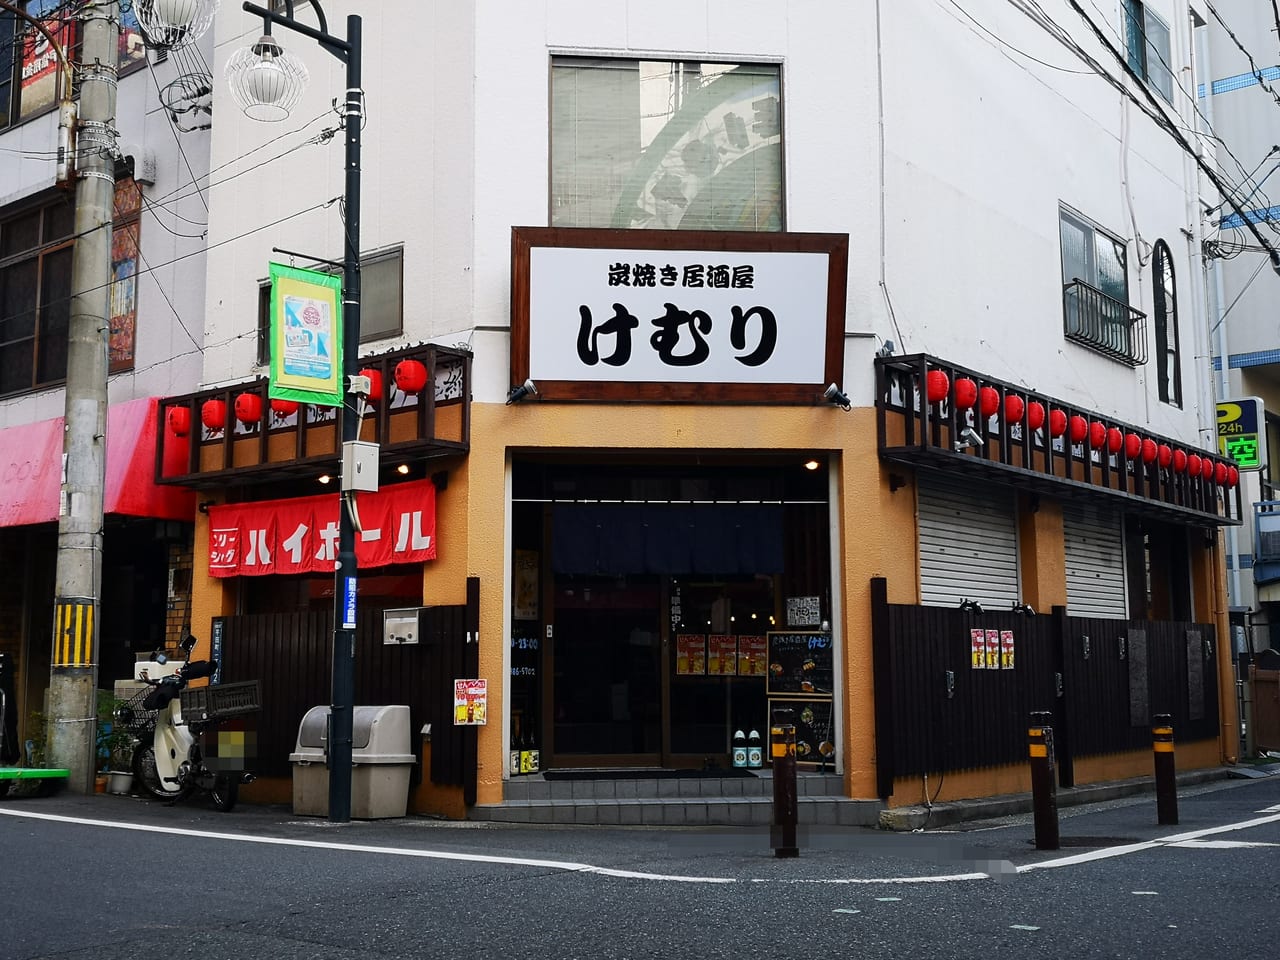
(73, 674)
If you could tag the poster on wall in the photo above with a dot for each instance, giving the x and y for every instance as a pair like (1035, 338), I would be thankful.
(40, 65)
(691, 654)
(470, 702)
(803, 612)
(525, 606)
(978, 648)
(722, 655)
(753, 656)
(993, 649)
(306, 336)
(800, 663)
(122, 332)
(1006, 649)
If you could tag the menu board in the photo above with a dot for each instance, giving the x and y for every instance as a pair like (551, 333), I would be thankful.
(815, 728)
(753, 656)
(800, 663)
(722, 655)
(691, 654)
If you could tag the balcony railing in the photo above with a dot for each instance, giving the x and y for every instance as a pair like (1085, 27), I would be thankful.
(1105, 324)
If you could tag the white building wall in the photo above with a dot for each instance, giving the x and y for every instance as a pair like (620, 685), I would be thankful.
(171, 278)
(980, 145)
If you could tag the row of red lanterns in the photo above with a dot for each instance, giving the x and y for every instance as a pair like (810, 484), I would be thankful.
(987, 401)
(410, 377)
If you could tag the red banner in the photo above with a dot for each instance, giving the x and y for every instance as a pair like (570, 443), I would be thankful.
(397, 525)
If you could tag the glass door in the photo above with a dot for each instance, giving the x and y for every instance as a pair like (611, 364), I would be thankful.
(607, 672)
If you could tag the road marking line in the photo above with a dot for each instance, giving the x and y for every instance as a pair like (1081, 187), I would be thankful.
(1145, 893)
(845, 910)
(366, 848)
(1222, 844)
(889, 899)
(1021, 926)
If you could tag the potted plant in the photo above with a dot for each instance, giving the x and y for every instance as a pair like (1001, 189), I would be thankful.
(115, 747)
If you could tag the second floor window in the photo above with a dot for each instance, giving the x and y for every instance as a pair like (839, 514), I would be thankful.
(1095, 283)
(1147, 45)
(1165, 323)
(666, 145)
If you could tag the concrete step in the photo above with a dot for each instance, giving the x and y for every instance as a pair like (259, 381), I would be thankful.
(636, 785)
(680, 811)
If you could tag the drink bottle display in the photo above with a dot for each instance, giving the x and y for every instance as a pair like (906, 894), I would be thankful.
(739, 749)
(755, 750)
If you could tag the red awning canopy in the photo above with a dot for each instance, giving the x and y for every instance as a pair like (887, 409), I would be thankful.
(31, 469)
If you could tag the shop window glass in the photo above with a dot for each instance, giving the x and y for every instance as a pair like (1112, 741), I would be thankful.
(666, 145)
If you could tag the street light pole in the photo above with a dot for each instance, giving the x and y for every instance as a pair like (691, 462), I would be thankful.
(344, 584)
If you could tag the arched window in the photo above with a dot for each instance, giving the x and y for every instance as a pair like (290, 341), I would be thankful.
(1168, 366)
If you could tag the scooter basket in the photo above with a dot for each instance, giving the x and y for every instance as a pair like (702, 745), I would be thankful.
(221, 700)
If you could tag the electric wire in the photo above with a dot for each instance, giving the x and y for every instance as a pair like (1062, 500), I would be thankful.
(1253, 66)
(1151, 108)
(177, 138)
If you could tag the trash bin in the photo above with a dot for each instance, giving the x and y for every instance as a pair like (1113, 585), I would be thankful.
(381, 763)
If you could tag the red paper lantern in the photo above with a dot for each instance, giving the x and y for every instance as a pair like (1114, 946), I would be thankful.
(179, 420)
(1097, 434)
(1220, 473)
(213, 414)
(284, 408)
(1179, 461)
(375, 383)
(966, 393)
(1013, 408)
(1057, 423)
(1149, 450)
(1233, 476)
(411, 376)
(1165, 455)
(248, 407)
(1115, 439)
(1035, 414)
(1206, 468)
(1079, 428)
(988, 401)
(1132, 445)
(1193, 465)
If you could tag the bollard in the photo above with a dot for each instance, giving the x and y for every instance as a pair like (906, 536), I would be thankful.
(1044, 796)
(782, 737)
(1166, 782)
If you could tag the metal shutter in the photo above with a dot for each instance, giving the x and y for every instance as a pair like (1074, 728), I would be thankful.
(1094, 544)
(968, 543)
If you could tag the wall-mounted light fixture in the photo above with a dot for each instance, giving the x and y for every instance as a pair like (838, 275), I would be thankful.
(833, 395)
(1023, 609)
(324, 478)
(402, 469)
(519, 393)
(886, 349)
(811, 464)
(971, 606)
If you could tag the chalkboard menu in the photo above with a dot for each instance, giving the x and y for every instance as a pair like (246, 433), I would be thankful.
(800, 664)
(815, 728)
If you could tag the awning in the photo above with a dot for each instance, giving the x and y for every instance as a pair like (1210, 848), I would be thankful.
(31, 469)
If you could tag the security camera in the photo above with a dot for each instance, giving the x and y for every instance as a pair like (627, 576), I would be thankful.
(968, 438)
(833, 394)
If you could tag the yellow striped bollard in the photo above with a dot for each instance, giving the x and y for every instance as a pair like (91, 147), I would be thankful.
(782, 741)
(1044, 791)
(1166, 780)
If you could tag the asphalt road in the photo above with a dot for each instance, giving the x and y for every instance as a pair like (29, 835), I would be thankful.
(109, 877)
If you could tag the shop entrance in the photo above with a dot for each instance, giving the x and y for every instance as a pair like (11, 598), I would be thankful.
(657, 671)
(641, 603)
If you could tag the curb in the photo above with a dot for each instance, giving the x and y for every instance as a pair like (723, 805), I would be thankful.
(960, 811)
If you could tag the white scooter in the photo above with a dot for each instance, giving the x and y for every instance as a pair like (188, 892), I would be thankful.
(168, 761)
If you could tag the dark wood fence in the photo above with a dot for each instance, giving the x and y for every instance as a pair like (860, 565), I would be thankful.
(1103, 681)
(290, 655)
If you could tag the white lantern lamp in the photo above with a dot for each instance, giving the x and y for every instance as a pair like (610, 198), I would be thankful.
(174, 24)
(265, 82)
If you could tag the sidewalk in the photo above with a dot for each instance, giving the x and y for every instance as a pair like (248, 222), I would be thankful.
(960, 811)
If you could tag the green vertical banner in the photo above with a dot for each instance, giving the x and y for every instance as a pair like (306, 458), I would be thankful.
(1240, 432)
(306, 336)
